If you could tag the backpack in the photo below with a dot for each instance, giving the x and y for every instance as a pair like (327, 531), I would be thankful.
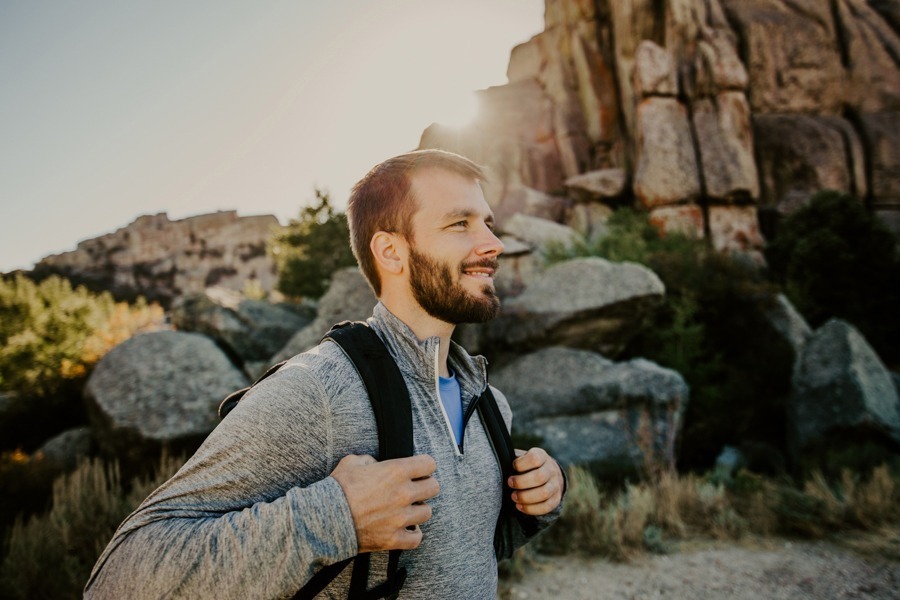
(393, 417)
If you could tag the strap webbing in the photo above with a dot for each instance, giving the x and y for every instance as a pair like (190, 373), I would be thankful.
(498, 435)
(390, 402)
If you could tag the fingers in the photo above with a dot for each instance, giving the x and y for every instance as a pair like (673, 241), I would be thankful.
(541, 508)
(411, 467)
(532, 459)
(387, 499)
(538, 484)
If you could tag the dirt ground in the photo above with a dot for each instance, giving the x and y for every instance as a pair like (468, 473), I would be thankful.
(776, 570)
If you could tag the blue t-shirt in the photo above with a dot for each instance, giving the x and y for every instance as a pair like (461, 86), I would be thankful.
(451, 398)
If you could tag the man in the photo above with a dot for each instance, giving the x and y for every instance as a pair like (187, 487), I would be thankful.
(287, 484)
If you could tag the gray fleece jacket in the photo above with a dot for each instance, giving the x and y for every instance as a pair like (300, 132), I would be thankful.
(255, 514)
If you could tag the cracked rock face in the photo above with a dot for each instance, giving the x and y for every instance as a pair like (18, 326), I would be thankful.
(162, 259)
(701, 103)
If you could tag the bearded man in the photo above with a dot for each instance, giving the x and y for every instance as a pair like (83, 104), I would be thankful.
(288, 484)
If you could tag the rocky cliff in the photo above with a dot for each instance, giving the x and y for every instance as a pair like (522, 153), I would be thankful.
(713, 115)
(162, 259)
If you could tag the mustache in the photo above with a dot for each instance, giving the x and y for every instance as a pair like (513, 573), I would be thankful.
(490, 263)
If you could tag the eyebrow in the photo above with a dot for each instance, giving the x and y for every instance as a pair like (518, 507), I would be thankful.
(465, 214)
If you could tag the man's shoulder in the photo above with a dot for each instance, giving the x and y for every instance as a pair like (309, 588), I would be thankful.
(321, 372)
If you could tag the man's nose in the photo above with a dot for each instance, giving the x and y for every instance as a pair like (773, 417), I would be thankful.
(490, 245)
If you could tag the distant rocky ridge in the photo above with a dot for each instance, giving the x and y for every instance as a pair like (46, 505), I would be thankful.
(717, 115)
(162, 259)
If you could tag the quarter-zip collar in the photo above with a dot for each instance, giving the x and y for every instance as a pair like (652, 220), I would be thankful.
(416, 358)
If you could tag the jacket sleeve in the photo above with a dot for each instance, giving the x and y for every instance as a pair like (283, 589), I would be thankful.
(253, 514)
(510, 535)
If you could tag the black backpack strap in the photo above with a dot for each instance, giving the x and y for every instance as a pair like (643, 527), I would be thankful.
(393, 417)
(498, 434)
(233, 398)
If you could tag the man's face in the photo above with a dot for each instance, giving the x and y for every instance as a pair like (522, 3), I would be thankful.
(453, 250)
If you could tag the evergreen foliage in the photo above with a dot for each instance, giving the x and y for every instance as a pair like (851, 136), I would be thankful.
(835, 259)
(51, 333)
(710, 329)
(311, 248)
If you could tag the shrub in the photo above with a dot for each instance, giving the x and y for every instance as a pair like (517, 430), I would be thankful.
(51, 556)
(624, 522)
(836, 259)
(51, 333)
(710, 329)
(311, 248)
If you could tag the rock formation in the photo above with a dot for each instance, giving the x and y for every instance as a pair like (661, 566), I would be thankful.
(590, 410)
(250, 331)
(158, 390)
(841, 391)
(349, 298)
(588, 303)
(707, 111)
(162, 259)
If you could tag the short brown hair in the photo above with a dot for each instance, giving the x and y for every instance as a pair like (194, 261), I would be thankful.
(382, 200)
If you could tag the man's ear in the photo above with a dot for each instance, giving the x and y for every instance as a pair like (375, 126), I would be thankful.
(388, 250)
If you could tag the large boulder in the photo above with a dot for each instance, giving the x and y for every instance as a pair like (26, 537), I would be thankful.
(349, 298)
(588, 303)
(158, 390)
(250, 330)
(589, 410)
(841, 390)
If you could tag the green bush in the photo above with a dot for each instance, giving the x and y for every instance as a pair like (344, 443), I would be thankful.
(836, 259)
(710, 329)
(51, 333)
(311, 248)
(43, 329)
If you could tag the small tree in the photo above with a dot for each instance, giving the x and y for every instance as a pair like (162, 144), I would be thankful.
(311, 248)
(836, 259)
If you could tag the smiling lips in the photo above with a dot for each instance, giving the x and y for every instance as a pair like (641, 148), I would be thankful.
(484, 269)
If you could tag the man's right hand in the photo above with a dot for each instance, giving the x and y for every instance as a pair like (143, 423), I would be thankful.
(387, 499)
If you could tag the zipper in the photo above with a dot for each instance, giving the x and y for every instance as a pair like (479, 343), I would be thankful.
(469, 411)
(437, 395)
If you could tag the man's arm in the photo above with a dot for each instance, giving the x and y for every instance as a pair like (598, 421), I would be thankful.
(253, 513)
(262, 506)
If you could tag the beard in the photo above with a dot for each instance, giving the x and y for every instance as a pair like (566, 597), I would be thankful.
(440, 296)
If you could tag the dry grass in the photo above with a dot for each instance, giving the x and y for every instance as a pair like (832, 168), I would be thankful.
(622, 524)
(51, 555)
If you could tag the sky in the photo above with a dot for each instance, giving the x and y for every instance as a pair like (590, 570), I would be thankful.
(111, 110)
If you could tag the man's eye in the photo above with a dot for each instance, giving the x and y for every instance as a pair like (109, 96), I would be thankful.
(460, 224)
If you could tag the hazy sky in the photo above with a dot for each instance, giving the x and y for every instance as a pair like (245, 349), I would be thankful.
(110, 110)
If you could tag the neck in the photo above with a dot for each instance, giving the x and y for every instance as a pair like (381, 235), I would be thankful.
(422, 324)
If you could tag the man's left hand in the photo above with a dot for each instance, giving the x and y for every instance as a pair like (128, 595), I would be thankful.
(538, 484)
